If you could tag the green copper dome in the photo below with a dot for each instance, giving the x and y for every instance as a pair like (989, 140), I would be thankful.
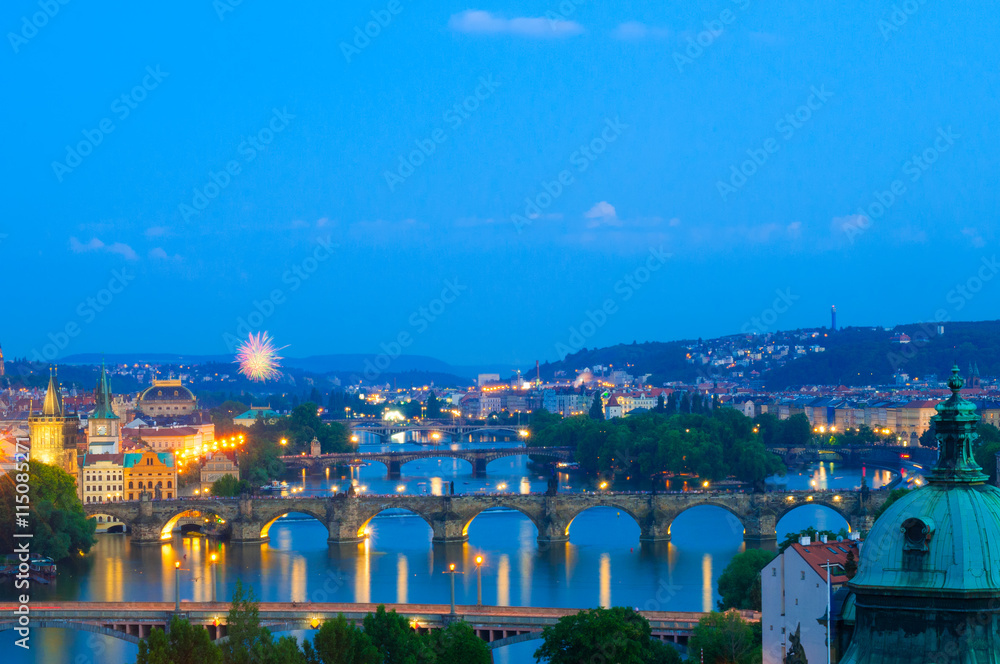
(927, 589)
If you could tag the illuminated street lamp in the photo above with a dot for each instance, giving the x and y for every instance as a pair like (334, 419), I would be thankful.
(213, 558)
(479, 580)
(284, 441)
(451, 570)
(177, 587)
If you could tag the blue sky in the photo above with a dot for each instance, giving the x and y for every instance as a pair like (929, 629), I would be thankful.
(483, 179)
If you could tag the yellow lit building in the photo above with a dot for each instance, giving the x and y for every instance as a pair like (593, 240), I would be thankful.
(54, 431)
(150, 472)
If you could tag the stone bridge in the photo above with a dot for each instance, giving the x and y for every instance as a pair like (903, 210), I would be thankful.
(497, 625)
(394, 461)
(456, 430)
(248, 519)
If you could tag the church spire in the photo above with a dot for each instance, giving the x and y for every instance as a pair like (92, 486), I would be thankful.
(955, 428)
(53, 405)
(102, 397)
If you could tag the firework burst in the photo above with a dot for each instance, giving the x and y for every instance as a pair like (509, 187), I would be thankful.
(258, 358)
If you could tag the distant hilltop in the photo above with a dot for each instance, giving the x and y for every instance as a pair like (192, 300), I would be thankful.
(853, 356)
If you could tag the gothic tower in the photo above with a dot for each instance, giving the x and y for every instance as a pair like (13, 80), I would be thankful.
(103, 425)
(53, 432)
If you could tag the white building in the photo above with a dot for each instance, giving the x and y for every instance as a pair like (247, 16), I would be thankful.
(794, 595)
(100, 481)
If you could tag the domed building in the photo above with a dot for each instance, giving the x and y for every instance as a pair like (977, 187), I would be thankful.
(167, 398)
(927, 589)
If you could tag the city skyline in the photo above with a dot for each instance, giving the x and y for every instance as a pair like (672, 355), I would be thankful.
(432, 179)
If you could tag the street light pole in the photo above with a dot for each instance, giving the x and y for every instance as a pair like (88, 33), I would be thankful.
(479, 580)
(213, 577)
(177, 587)
(453, 572)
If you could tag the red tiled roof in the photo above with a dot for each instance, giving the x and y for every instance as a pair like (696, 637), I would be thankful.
(818, 554)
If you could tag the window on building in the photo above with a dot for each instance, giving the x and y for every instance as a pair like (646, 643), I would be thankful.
(803, 575)
(169, 484)
(130, 485)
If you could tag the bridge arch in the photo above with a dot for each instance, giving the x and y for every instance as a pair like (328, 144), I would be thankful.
(468, 519)
(470, 461)
(188, 511)
(80, 627)
(728, 509)
(612, 504)
(293, 509)
(363, 530)
(782, 529)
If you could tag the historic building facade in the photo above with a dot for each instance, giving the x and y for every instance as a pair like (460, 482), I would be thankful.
(150, 472)
(167, 398)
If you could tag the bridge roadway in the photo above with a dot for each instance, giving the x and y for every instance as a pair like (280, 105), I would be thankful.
(394, 461)
(497, 625)
(247, 519)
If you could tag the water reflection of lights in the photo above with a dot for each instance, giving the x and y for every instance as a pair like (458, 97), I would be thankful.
(605, 580)
(707, 588)
(525, 487)
(402, 578)
(503, 580)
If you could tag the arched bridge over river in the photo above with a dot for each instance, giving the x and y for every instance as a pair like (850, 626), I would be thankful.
(394, 461)
(248, 519)
(497, 625)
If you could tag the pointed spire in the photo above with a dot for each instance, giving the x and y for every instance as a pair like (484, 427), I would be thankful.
(955, 428)
(53, 405)
(102, 397)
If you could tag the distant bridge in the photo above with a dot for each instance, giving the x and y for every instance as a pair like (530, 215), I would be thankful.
(497, 625)
(248, 519)
(858, 455)
(394, 461)
(455, 430)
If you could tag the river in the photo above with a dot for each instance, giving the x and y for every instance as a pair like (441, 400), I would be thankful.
(603, 564)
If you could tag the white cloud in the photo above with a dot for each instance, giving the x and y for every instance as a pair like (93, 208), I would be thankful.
(95, 244)
(475, 21)
(80, 247)
(159, 253)
(974, 237)
(602, 214)
(634, 30)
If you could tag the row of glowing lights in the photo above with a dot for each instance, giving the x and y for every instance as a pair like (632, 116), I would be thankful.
(833, 429)
(231, 443)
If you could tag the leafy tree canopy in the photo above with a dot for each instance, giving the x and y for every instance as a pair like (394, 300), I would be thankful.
(59, 526)
(618, 635)
(739, 584)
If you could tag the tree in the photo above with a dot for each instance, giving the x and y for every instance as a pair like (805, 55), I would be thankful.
(597, 407)
(796, 431)
(248, 642)
(228, 486)
(433, 406)
(661, 404)
(340, 642)
(392, 635)
(61, 528)
(739, 584)
(725, 638)
(850, 565)
(458, 643)
(617, 635)
(185, 644)
(986, 450)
